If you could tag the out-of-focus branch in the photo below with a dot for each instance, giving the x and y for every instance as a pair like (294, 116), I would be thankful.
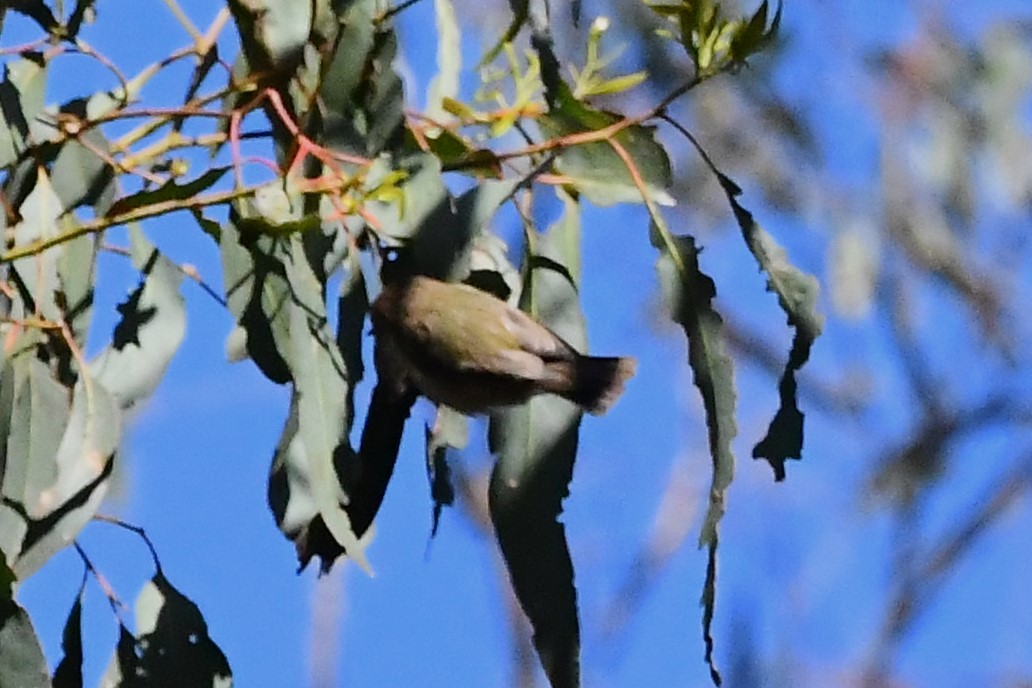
(929, 570)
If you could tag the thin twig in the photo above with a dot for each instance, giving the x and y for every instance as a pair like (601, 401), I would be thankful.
(185, 22)
(115, 521)
(117, 606)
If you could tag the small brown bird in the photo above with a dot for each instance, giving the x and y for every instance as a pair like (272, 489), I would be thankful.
(464, 348)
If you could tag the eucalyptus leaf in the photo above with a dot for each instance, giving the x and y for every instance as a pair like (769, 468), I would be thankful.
(321, 381)
(39, 220)
(172, 647)
(152, 327)
(596, 169)
(167, 193)
(84, 461)
(80, 173)
(22, 664)
(536, 445)
(258, 294)
(21, 101)
(68, 673)
(797, 294)
(689, 294)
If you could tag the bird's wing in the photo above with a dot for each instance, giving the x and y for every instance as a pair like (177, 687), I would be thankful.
(535, 338)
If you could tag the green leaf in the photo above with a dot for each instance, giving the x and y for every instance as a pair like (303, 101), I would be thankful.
(37, 10)
(797, 294)
(173, 647)
(84, 461)
(13, 522)
(39, 220)
(123, 663)
(439, 230)
(69, 670)
(79, 175)
(363, 101)
(152, 327)
(76, 270)
(21, 102)
(755, 35)
(290, 491)
(167, 193)
(22, 664)
(257, 294)
(352, 308)
(272, 32)
(536, 445)
(363, 477)
(39, 416)
(321, 380)
(689, 293)
(596, 169)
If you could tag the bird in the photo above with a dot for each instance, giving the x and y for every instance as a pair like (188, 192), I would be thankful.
(464, 348)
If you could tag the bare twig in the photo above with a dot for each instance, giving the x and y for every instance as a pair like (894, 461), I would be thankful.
(115, 521)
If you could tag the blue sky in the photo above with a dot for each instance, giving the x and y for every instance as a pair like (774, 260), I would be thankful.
(803, 564)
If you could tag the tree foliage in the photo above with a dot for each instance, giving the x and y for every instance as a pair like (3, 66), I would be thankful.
(313, 107)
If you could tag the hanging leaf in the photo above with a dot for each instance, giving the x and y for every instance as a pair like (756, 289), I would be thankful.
(689, 293)
(595, 169)
(445, 84)
(535, 445)
(84, 461)
(363, 477)
(21, 96)
(69, 670)
(152, 327)
(797, 294)
(321, 381)
(172, 647)
(363, 98)
(21, 658)
(352, 308)
(257, 294)
(38, 273)
(273, 33)
(80, 176)
(76, 270)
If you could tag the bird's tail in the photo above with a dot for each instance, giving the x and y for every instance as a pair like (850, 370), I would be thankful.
(598, 382)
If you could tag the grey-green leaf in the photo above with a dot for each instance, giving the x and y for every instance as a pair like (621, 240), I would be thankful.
(152, 327)
(257, 294)
(321, 380)
(172, 647)
(22, 664)
(39, 220)
(596, 169)
(689, 293)
(536, 445)
(84, 461)
(168, 192)
(797, 294)
(69, 670)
